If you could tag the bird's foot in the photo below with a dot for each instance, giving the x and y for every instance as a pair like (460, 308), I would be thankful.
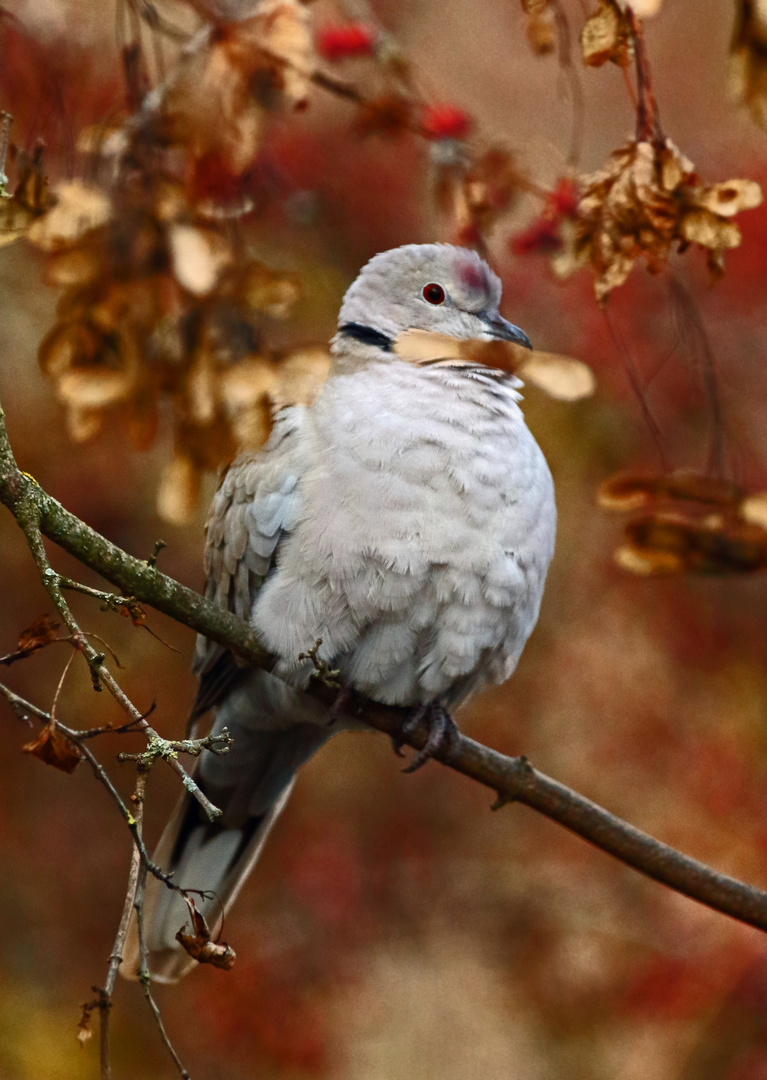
(327, 675)
(442, 732)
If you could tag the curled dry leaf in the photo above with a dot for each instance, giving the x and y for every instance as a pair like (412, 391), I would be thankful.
(632, 491)
(607, 36)
(475, 191)
(646, 199)
(29, 199)
(301, 377)
(54, 749)
(222, 92)
(199, 944)
(688, 523)
(748, 58)
(643, 9)
(540, 26)
(198, 257)
(561, 377)
(78, 208)
(84, 1027)
(669, 542)
(38, 634)
(179, 490)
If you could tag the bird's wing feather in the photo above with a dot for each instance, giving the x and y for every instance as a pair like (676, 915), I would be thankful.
(255, 504)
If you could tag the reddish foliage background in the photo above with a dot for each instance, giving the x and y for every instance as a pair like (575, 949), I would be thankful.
(395, 927)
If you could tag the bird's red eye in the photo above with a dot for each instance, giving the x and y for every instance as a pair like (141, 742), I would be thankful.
(434, 293)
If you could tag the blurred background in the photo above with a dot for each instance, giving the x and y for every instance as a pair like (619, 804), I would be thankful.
(396, 928)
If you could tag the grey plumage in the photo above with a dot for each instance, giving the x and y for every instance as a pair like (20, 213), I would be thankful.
(407, 518)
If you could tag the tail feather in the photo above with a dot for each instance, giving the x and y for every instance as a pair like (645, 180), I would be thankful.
(275, 729)
(216, 860)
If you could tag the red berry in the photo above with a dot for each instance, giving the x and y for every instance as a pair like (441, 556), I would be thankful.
(563, 200)
(445, 122)
(541, 237)
(337, 42)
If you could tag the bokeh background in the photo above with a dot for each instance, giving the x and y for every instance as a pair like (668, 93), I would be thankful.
(395, 927)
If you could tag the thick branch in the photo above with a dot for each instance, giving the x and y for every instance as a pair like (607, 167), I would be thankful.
(513, 779)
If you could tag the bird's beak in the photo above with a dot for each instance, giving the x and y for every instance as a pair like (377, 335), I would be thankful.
(506, 331)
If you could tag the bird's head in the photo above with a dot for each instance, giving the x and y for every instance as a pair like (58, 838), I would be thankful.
(426, 287)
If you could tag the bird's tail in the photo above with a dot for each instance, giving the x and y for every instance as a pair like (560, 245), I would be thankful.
(251, 785)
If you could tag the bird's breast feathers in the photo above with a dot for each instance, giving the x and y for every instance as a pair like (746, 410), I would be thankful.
(424, 529)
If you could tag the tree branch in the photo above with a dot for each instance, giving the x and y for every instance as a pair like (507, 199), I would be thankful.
(513, 779)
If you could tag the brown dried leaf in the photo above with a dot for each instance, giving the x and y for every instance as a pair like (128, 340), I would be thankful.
(54, 749)
(38, 634)
(748, 58)
(269, 291)
(561, 377)
(541, 31)
(606, 36)
(84, 1029)
(646, 199)
(79, 208)
(198, 257)
(302, 375)
(390, 114)
(284, 28)
(179, 490)
(199, 944)
(247, 382)
(676, 542)
(632, 491)
(754, 509)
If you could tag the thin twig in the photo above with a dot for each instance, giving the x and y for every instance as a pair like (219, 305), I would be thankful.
(138, 906)
(688, 314)
(24, 498)
(648, 117)
(116, 956)
(636, 385)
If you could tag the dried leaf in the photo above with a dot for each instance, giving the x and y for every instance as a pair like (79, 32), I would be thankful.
(84, 1029)
(606, 36)
(266, 290)
(675, 542)
(301, 377)
(754, 509)
(541, 31)
(78, 209)
(54, 749)
(644, 9)
(748, 58)
(247, 382)
(38, 634)
(631, 491)
(199, 944)
(646, 199)
(728, 198)
(179, 489)
(561, 377)
(198, 257)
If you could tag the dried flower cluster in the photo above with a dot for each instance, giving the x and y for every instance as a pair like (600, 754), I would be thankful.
(688, 523)
(164, 303)
(159, 304)
(644, 201)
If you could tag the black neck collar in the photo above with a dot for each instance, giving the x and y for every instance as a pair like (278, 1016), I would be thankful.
(367, 335)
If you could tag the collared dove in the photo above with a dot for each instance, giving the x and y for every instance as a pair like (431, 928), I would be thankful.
(406, 518)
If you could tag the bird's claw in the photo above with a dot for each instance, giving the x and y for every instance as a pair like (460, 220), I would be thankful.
(442, 732)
